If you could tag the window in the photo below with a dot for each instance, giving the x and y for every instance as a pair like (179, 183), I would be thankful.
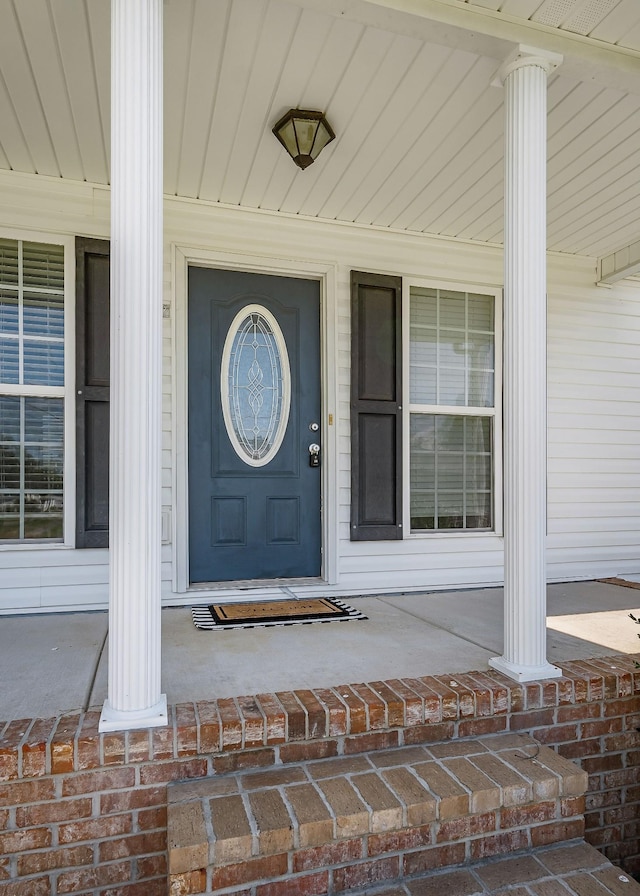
(255, 385)
(452, 409)
(32, 382)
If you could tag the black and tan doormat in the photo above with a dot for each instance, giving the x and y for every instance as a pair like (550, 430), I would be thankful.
(273, 612)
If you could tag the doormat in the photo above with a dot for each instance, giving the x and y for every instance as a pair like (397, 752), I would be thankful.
(622, 582)
(265, 613)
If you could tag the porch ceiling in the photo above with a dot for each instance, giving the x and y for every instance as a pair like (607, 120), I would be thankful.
(407, 90)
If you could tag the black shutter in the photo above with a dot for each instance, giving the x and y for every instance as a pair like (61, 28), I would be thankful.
(92, 393)
(376, 412)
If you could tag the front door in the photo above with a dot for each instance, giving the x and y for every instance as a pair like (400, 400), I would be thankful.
(254, 426)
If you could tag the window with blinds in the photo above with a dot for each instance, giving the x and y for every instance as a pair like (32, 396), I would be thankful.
(31, 391)
(452, 409)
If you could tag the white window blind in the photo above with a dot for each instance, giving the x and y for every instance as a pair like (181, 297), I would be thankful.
(31, 359)
(452, 409)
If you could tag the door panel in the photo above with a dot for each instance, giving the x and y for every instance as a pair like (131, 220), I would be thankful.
(253, 514)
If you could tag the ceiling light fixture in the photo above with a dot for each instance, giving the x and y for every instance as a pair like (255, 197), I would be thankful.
(304, 135)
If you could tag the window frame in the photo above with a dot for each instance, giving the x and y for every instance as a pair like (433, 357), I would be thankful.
(66, 391)
(494, 412)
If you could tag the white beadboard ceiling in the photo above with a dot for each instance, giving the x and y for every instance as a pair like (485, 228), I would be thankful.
(419, 128)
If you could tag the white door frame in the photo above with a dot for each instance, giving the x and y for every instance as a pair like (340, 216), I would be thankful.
(325, 274)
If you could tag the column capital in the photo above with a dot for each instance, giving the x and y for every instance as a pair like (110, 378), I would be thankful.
(523, 56)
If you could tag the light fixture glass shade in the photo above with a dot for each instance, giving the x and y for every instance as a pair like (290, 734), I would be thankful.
(303, 134)
(324, 135)
(287, 135)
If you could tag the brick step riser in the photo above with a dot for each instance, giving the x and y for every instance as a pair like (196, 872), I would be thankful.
(325, 827)
(570, 868)
(397, 855)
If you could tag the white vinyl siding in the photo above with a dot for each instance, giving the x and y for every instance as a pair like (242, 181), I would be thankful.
(593, 388)
(594, 431)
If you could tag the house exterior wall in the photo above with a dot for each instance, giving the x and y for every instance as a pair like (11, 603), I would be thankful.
(593, 388)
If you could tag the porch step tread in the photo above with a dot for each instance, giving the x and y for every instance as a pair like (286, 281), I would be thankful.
(387, 814)
(565, 869)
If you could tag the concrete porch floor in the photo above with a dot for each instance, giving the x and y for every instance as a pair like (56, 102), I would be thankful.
(57, 663)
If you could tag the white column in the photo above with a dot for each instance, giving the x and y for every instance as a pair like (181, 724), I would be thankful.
(134, 699)
(524, 77)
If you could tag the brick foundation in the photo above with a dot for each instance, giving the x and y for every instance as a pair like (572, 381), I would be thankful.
(85, 813)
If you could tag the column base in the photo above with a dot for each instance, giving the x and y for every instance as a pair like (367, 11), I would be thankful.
(524, 673)
(126, 720)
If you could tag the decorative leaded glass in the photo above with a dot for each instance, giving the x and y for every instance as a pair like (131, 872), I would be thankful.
(255, 385)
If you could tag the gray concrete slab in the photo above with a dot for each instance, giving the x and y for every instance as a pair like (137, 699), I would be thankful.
(50, 664)
(579, 598)
(584, 619)
(476, 616)
(587, 619)
(47, 663)
(200, 665)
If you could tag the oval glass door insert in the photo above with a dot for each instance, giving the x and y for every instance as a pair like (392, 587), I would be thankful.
(255, 385)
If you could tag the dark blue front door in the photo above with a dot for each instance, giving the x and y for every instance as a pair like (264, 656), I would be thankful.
(254, 410)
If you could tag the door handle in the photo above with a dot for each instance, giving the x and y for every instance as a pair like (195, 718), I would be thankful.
(314, 455)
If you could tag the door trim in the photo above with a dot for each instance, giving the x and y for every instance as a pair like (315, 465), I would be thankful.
(326, 275)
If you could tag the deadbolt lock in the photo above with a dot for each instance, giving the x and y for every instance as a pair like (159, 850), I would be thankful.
(314, 455)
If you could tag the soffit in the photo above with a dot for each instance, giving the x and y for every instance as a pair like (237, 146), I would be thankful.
(615, 22)
(419, 128)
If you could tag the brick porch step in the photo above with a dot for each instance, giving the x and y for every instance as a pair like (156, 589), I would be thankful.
(564, 869)
(338, 824)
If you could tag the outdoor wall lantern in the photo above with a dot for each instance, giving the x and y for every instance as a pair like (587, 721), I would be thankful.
(304, 135)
